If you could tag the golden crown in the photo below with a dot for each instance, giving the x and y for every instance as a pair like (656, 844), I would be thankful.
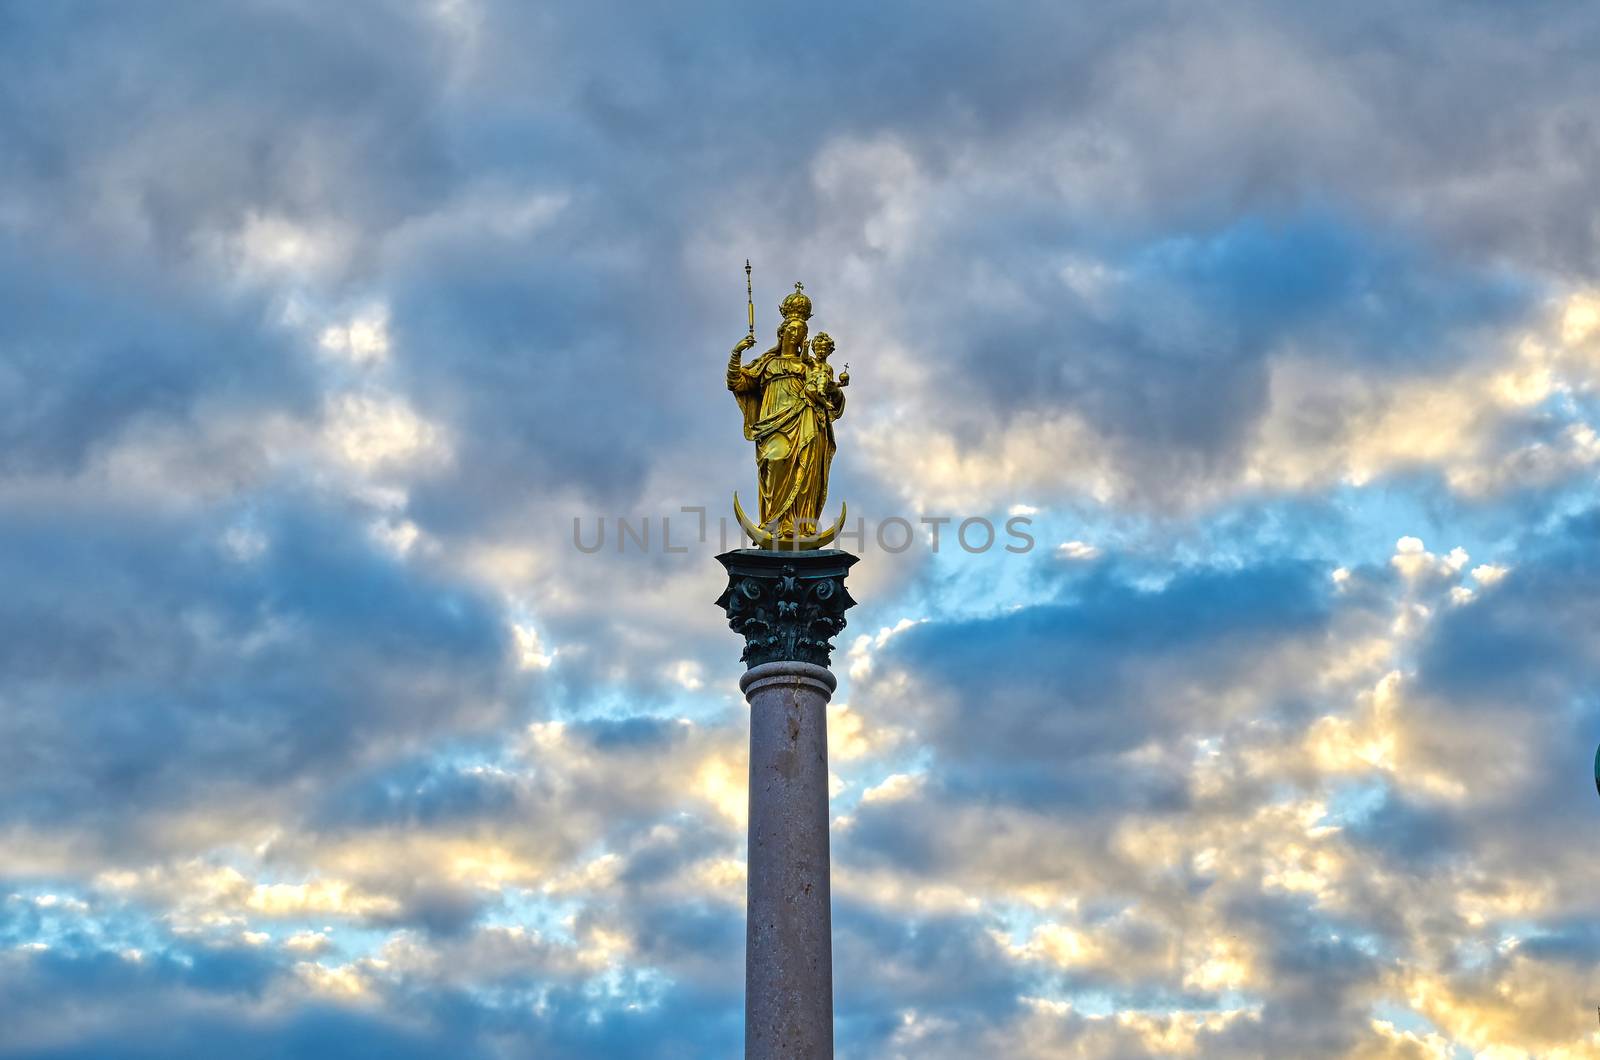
(797, 306)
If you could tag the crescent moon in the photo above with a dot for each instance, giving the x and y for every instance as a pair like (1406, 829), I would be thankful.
(765, 539)
(824, 538)
(762, 538)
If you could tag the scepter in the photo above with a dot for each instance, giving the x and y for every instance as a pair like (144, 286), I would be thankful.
(750, 300)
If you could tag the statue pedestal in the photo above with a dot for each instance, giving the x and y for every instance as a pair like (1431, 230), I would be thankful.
(788, 606)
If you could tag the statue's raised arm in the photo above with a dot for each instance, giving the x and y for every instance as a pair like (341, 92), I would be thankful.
(739, 380)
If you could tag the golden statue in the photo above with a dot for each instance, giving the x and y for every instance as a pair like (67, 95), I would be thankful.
(789, 398)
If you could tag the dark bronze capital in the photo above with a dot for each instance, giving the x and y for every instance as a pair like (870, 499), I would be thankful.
(788, 606)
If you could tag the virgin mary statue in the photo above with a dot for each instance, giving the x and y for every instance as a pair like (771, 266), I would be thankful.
(790, 423)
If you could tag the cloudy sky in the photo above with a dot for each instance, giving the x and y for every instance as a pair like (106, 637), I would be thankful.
(321, 324)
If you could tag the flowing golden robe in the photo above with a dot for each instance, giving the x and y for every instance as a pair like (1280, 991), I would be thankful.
(792, 427)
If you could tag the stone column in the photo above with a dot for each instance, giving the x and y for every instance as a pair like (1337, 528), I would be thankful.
(788, 606)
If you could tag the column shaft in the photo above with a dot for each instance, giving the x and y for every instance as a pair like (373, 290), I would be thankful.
(788, 934)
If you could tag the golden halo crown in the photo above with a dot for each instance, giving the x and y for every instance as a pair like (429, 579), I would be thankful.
(797, 306)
